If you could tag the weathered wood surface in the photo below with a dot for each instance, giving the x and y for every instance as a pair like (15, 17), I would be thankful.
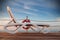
(29, 36)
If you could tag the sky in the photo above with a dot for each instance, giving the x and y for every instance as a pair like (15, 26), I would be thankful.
(42, 10)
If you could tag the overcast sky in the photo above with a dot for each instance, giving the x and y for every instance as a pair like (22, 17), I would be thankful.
(35, 9)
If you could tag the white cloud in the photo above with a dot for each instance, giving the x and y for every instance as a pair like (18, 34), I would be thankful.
(58, 19)
(12, 3)
(26, 7)
(29, 8)
(5, 18)
(30, 13)
(28, 4)
(43, 3)
(24, 11)
(47, 13)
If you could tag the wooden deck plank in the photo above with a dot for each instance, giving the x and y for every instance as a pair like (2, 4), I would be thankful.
(29, 36)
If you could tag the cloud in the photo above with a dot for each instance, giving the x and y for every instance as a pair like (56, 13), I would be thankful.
(58, 19)
(29, 8)
(47, 13)
(30, 13)
(12, 3)
(4, 14)
(4, 18)
(29, 4)
(33, 7)
(25, 11)
(26, 7)
(47, 4)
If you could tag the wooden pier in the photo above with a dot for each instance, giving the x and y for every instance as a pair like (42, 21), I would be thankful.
(29, 36)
